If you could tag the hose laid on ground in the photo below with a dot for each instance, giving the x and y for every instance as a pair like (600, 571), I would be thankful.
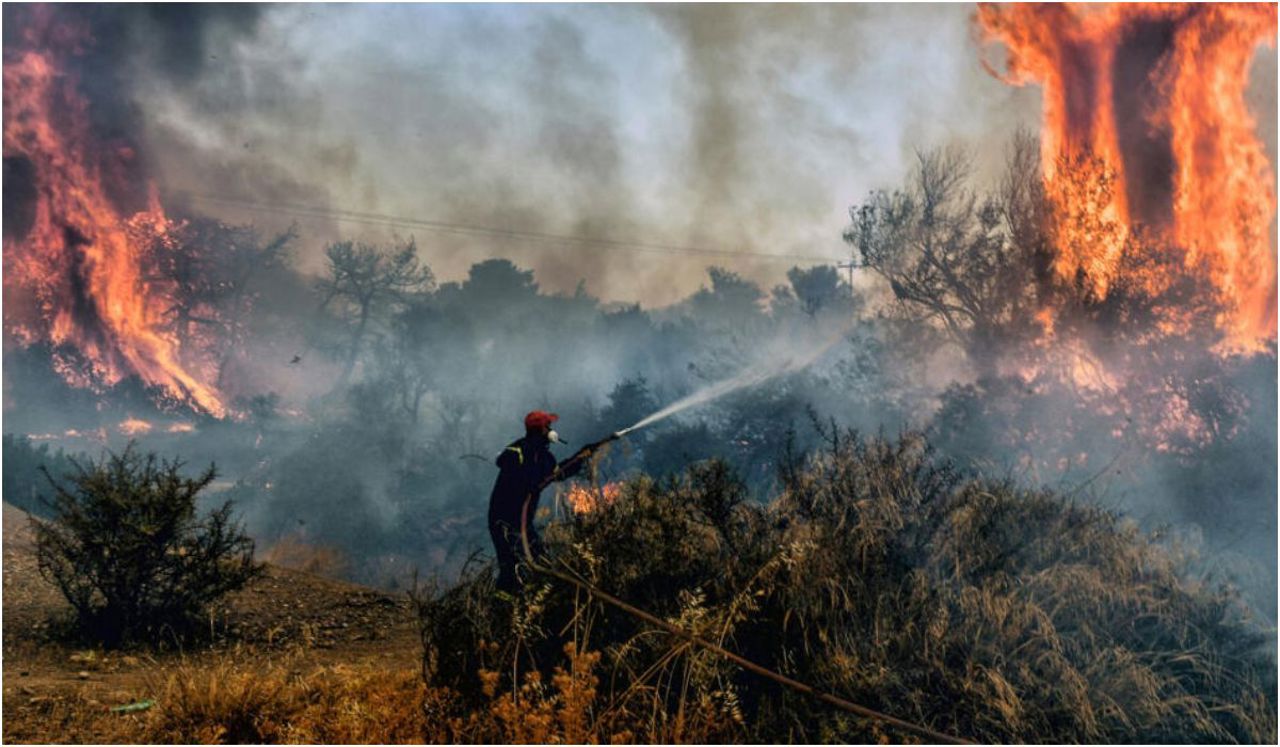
(751, 666)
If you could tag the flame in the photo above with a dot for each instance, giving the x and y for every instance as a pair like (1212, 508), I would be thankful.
(1146, 102)
(583, 499)
(78, 279)
(134, 427)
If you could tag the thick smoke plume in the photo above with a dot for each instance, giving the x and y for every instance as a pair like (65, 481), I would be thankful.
(717, 130)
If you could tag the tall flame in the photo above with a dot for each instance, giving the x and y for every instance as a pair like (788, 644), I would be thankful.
(77, 279)
(1154, 94)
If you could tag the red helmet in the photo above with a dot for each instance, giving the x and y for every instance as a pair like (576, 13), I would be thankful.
(539, 419)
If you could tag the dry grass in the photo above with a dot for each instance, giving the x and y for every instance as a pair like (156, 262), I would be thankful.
(533, 713)
(68, 718)
(293, 551)
(232, 700)
(235, 697)
(881, 575)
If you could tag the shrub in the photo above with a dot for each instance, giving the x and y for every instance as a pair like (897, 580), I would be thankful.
(882, 575)
(129, 552)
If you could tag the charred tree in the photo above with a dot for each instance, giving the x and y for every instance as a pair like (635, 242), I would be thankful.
(366, 285)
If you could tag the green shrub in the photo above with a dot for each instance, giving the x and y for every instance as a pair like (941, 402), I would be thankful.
(881, 575)
(129, 552)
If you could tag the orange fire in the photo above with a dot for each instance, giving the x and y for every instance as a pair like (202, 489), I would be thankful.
(134, 427)
(78, 279)
(1153, 95)
(583, 499)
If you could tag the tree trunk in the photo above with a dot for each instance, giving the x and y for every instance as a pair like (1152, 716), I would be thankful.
(356, 338)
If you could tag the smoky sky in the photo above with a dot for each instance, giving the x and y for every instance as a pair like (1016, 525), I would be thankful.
(742, 129)
(114, 51)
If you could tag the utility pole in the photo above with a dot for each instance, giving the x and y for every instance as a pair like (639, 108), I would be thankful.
(850, 266)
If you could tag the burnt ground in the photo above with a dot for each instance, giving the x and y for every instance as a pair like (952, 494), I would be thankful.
(312, 621)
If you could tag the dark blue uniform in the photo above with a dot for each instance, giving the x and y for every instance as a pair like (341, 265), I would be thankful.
(524, 466)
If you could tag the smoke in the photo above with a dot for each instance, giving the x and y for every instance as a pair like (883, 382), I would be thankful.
(741, 129)
(781, 357)
(1148, 156)
(747, 129)
(115, 51)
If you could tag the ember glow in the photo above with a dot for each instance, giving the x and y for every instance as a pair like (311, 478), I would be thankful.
(134, 427)
(79, 280)
(1153, 96)
(583, 499)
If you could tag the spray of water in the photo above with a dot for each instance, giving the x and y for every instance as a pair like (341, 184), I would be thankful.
(754, 375)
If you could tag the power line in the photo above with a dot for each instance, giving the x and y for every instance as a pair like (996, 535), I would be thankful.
(465, 229)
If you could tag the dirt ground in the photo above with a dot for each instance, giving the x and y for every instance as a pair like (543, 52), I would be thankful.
(309, 621)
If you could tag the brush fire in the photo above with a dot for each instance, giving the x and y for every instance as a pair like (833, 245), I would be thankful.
(583, 499)
(304, 304)
(84, 278)
(1152, 96)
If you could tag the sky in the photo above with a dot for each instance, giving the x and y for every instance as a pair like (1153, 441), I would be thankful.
(741, 130)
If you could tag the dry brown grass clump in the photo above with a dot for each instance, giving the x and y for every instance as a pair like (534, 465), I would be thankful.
(536, 712)
(1019, 615)
(236, 700)
(235, 697)
(293, 551)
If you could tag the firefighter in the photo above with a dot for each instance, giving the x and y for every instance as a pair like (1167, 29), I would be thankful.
(525, 466)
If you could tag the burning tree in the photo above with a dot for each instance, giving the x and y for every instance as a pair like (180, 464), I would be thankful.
(1179, 143)
(1077, 377)
(77, 277)
(1103, 341)
(1114, 272)
(213, 266)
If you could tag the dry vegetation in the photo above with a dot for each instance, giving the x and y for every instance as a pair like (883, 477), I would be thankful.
(236, 699)
(233, 701)
(882, 576)
(293, 656)
(879, 574)
(295, 552)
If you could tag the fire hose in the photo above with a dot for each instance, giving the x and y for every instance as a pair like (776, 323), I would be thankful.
(751, 666)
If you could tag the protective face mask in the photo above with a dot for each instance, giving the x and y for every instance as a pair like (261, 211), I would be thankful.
(554, 438)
